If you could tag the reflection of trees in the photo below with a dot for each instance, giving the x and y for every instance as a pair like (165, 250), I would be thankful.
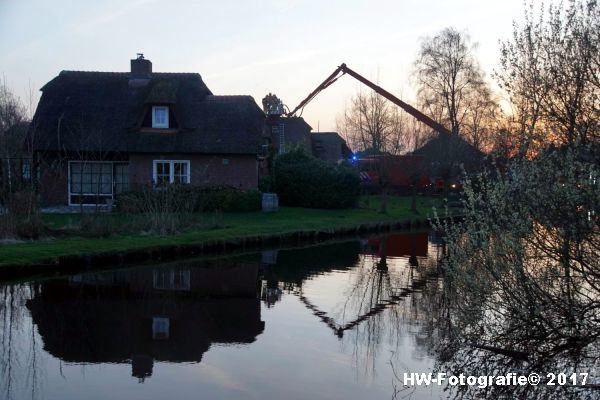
(380, 297)
(476, 333)
(19, 344)
(511, 344)
(374, 289)
(523, 270)
(397, 290)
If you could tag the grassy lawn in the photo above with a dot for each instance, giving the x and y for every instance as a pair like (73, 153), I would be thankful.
(230, 226)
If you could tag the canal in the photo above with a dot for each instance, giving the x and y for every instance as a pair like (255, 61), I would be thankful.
(336, 321)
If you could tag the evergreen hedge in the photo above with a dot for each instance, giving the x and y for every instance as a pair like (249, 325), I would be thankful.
(301, 180)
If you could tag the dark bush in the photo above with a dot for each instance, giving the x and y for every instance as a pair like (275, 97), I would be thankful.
(249, 200)
(230, 199)
(265, 184)
(303, 181)
(189, 198)
(21, 215)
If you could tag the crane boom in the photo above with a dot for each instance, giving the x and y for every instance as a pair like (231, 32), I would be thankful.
(343, 69)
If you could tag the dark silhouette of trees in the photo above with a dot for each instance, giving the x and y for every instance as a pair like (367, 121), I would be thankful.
(551, 72)
(374, 125)
(449, 79)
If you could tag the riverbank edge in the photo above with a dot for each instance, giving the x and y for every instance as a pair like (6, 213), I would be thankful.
(170, 252)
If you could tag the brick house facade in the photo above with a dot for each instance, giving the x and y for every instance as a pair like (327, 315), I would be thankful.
(96, 134)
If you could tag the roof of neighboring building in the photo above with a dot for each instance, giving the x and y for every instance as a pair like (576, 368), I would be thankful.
(296, 123)
(328, 136)
(295, 131)
(329, 146)
(444, 150)
(103, 111)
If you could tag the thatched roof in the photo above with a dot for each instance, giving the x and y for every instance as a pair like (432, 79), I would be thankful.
(104, 111)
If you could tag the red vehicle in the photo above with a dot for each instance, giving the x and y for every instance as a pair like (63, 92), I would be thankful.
(398, 245)
(398, 172)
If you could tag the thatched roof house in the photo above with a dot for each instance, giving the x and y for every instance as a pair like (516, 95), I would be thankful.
(98, 133)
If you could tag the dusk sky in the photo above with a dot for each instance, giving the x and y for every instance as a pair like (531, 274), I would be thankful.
(245, 47)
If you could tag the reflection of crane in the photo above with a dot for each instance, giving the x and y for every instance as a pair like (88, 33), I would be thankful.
(343, 69)
(397, 296)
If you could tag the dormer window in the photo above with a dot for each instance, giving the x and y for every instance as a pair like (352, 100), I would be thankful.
(160, 116)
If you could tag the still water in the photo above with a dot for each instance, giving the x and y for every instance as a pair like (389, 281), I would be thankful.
(339, 321)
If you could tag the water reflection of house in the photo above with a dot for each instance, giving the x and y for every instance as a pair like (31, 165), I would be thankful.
(168, 313)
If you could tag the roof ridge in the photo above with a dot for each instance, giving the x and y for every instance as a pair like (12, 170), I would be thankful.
(67, 71)
(72, 71)
(230, 95)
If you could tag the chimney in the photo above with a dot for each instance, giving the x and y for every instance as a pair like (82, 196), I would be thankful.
(140, 67)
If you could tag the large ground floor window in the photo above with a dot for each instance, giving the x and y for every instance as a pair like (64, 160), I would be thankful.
(96, 182)
(170, 171)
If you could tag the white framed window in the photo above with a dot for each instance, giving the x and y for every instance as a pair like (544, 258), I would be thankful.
(160, 116)
(170, 171)
(94, 182)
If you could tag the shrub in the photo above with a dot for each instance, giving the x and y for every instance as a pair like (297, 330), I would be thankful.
(21, 216)
(165, 210)
(304, 181)
(229, 199)
(265, 184)
(94, 224)
(249, 200)
(176, 199)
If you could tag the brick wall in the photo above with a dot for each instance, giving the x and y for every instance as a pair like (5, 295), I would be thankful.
(240, 171)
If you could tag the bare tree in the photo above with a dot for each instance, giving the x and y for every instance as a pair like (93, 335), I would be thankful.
(419, 134)
(18, 210)
(372, 124)
(12, 114)
(452, 89)
(523, 272)
(446, 73)
(483, 118)
(551, 72)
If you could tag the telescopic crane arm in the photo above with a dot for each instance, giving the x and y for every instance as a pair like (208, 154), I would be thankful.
(343, 69)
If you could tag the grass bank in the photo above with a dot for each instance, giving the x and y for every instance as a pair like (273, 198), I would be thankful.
(231, 226)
